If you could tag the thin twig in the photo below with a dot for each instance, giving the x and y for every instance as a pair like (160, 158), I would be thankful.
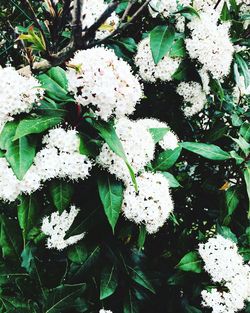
(77, 21)
(120, 29)
(90, 32)
(217, 3)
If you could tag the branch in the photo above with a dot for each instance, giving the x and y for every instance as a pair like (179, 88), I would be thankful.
(77, 21)
(90, 32)
(120, 29)
(216, 5)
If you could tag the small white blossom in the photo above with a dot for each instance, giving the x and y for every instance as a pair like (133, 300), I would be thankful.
(210, 44)
(169, 141)
(148, 70)
(104, 83)
(18, 94)
(166, 7)
(105, 311)
(225, 266)
(56, 226)
(194, 97)
(151, 205)
(9, 184)
(138, 145)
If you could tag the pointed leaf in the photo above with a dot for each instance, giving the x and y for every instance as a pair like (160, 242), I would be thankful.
(61, 193)
(166, 159)
(191, 262)
(108, 282)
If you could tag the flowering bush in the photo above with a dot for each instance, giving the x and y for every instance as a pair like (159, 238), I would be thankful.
(124, 156)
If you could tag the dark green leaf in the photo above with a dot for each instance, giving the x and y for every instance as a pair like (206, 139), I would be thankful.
(130, 304)
(161, 41)
(20, 155)
(166, 159)
(225, 13)
(227, 233)
(243, 68)
(188, 12)
(111, 194)
(245, 131)
(173, 182)
(61, 193)
(191, 262)
(232, 200)
(178, 49)
(108, 282)
(78, 254)
(208, 151)
(7, 134)
(247, 182)
(140, 278)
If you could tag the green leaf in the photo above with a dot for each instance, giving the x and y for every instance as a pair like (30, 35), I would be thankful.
(245, 131)
(10, 238)
(227, 233)
(209, 151)
(20, 155)
(142, 236)
(191, 262)
(111, 194)
(78, 254)
(166, 159)
(191, 309)
(108, 133)
(243, 68)
(108, 282)
(140, 278)
(28, 213)
(225, 13)
(182, 72)
(178, 49)
(173, 182)
(7, 134)
(232, 200)
(237, 157)
(61, 298)
(61, 193)
(161, 41)
(36, 125)
(130, 304)
(49, 107)
(158, 133)
(59, 76)
(188, 12)
(241, 142)
(247, 182)
(28, 257)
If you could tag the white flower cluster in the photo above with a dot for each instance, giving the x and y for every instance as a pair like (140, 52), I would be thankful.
(91, 11)
(60, 158)
(18, 94)
(225, 266)
(56, 226)
(166, 7)
(148, 70)
(169, 141)
(104, 83)
(105, 311)
(194, 97)
(151, 205)
(138, 145)
(210, 44)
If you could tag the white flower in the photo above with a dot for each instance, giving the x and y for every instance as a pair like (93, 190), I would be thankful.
(105, 311)
(225, 266)
(91, 11)
(104, 83)
(138, 145)
(194, 97)
(169, 141)
(205, 80)
(60, 158)
(9, 184)
(18, 94)
(56, 226)
(151, 205)
(210, 44)
(148, 70)
(166, 7)
(65, 141)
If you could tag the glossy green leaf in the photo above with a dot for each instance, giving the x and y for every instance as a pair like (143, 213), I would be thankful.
(161, 41)
(191, 262)
(208, 151)
(173, 182)
(247, 182)
(158, 133)
(36, 125)
(78, 254)
(232, 200)
(166, 159)
(61, 194)
(20, 155)
(7, 134)
(111, 194)
(178, 49)
(108, 282)
(245, 131)
(140, 278)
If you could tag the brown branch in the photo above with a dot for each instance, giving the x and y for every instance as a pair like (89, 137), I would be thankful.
(77, 21)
